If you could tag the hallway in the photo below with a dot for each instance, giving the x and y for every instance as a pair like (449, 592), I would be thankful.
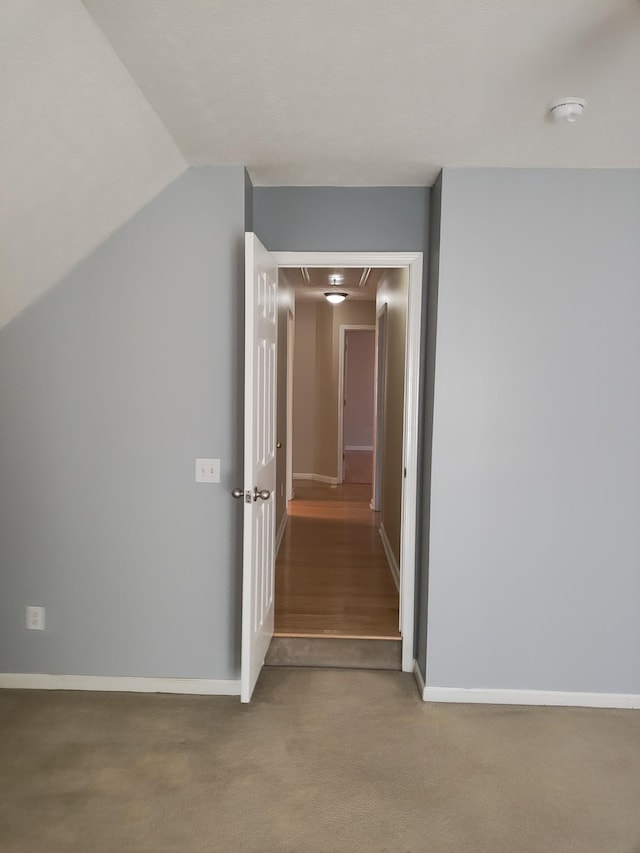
(332, 575)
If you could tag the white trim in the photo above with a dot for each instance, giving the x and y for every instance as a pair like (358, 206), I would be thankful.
(412, 260)
(393, 565)
(411, 438)
(359, 447)
(342, 346)
(280, 532)
(346, 259)
(319, 478)
(419, 679)
(119, 684)
(561, 698)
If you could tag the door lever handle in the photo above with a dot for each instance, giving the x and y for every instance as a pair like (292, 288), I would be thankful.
(263, 494)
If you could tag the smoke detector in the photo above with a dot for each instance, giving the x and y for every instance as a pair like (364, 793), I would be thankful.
(567, 109)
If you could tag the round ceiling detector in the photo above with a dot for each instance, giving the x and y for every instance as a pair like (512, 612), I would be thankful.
(567, 109)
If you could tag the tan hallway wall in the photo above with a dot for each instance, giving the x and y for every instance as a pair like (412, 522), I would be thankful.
(315, 390)
(285, 304)
(393, 290)
(354, 313)
(359, 388)
(304, 388)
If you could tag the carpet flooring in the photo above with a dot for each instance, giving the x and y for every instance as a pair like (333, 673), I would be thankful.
(322, 760)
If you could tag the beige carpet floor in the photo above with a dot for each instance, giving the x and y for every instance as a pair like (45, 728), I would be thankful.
(322, 760)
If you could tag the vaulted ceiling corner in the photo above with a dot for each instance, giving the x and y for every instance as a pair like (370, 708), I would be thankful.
(81, 149)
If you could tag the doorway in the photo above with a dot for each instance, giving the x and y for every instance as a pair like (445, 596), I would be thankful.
(356, 404)
(322, 488)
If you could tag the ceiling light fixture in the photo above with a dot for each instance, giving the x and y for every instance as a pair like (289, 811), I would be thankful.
(335, 296)
(567, 109)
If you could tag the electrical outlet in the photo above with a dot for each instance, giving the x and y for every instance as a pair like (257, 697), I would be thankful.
(207, 470)
(35, 618)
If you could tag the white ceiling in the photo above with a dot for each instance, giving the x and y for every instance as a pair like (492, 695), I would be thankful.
(81, 150)
(373, 92)
(312, 282)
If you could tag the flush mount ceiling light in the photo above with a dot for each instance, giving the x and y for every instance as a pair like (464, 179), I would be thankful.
(567, 109)
(335, 296)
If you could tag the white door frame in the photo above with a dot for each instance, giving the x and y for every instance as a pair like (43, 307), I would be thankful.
(413, 261)
(341, 389)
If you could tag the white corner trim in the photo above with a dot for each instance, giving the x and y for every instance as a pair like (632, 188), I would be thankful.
(119, 684)
(318, 478)
(393, 565)
(530, 697)
(419, 679)
(280, 532)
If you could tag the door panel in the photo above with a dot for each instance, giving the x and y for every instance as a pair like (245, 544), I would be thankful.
(261, 317)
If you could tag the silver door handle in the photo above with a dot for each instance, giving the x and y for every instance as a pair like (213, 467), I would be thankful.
(237, 493)
(263, 494)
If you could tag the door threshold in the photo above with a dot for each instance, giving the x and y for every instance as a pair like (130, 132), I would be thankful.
(332, 651)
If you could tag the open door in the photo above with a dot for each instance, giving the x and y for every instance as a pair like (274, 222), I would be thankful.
(258, 495)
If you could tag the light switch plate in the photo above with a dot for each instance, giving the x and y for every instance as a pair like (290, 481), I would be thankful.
(35, 619)
(207, 470)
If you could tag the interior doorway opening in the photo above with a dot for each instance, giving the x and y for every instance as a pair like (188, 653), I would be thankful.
(312, 485)
(357, 390)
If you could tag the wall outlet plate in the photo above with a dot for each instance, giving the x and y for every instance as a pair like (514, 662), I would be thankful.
(35, 618)
(207, 470)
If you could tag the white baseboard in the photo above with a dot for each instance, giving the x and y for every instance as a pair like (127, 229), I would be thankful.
(280, 532)
(119, 684)
(419, 679)
(359, 447)
(393, 565)
(318, 478)
(530, 697)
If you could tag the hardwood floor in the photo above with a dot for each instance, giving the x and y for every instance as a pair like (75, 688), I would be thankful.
(332, 575)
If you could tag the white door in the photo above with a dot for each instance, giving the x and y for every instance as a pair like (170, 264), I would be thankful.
(261, 318)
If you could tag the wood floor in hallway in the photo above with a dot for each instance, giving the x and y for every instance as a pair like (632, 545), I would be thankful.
(332, 575)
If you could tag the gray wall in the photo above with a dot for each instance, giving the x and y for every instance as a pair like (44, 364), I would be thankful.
(341, 219)
(110, 386)
(429, 325)
(535, 490)
(248, 202)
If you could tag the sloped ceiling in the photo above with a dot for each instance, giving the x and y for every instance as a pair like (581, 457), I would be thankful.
(81, 149)
(302, 92)
(375, 92)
